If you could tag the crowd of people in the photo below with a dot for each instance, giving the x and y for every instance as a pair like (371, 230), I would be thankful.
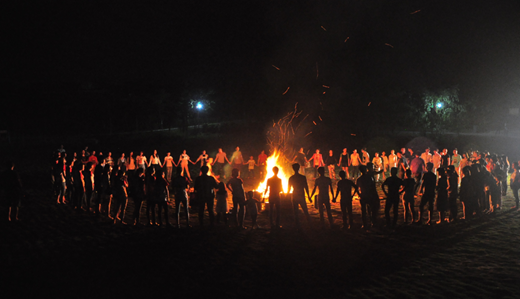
(102, 185)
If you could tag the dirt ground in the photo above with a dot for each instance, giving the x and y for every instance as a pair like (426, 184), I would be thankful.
(58, 253)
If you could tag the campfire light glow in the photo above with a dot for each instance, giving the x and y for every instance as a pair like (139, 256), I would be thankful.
(275, 159)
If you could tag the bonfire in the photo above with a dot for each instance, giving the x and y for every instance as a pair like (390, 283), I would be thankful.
(276, 159)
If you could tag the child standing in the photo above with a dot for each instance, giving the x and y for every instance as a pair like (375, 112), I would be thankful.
(251, 168)
(252, 208)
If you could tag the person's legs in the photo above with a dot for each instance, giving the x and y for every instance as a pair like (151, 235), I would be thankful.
(320, 209)
(412, 209)
(151, 211)
(211, 213)
(343, 205)
(349, 213)
(296, 212)
(332, 173)
(137, 210)
(406, 210)
(374, 208)
(241, 213)
(278, 214)
(395, 204)
(329, 213)
(430, 208)
(202, 206)
(364, 213)
(169, 173)
(515, 194)
(273, 204)
(453, 209)
(88, 197)
(234, 211)
(388, 205)
(122, 212)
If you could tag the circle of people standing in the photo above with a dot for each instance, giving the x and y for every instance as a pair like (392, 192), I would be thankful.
(438, 181)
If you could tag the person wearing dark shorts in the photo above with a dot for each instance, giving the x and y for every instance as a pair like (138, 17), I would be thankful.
(429, 183)
(298, 182)
(344, 160)
(392, 187)
(345, 187)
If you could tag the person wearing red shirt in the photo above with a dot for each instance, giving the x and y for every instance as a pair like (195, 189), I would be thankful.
(262, 163)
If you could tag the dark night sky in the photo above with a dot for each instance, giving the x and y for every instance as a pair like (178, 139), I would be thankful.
(230, 47)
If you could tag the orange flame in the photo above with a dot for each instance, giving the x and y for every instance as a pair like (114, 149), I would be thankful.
(274, 160)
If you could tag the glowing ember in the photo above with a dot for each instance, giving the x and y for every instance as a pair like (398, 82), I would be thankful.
(274, 160)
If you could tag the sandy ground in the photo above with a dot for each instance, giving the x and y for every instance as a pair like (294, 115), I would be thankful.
(55, 252)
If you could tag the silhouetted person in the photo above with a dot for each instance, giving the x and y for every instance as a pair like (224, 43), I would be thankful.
(468, 195)
(78, 185)
(150, 199)
(367, 192)
(375, 203)
(274, 186)
(12, 194)
(323, 184)
(88, 177)
(409, 197)
(429, 182)
(119, 196)
(392, 187)
(252, 208)
(161, 194)
(222, 206)
(345, 188)
(137, 185)
(453, 192)
(442, 194)
(181, 185)
(236, 185)
(205, 186)
(298, 182)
